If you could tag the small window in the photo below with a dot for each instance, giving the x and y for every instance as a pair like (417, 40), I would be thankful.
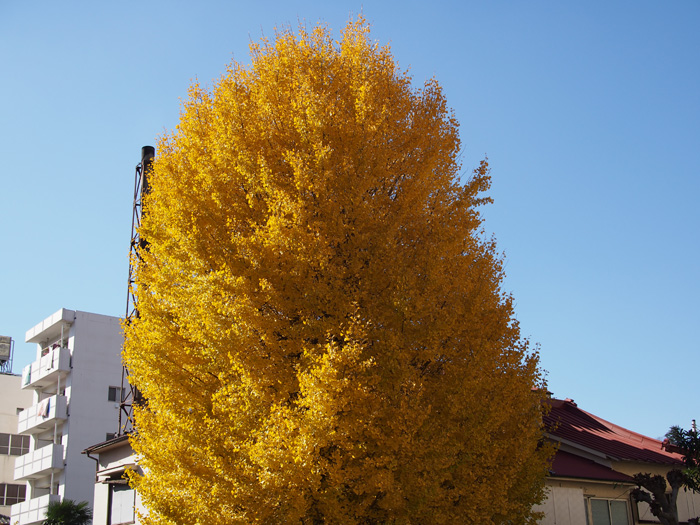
(114, 394)
(4, 444)
(609, 512)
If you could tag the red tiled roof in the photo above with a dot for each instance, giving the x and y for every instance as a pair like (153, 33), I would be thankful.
(568, 465)
(568, 422)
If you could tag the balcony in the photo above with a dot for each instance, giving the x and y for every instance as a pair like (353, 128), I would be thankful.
(32, 511)
(48, 370)
(39, 463)
(43, 416)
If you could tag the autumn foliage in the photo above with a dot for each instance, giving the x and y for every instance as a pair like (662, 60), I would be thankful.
(322, 334)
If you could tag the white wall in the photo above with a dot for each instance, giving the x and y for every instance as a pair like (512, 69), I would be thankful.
(97, 342)
(563, 506)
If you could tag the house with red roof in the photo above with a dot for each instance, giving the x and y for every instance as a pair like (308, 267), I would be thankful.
(590, 480)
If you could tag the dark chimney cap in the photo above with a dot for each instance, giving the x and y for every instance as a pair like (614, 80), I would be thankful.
(147, 153)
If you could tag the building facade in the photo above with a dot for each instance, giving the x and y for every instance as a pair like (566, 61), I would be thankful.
(13, 400)
(591, 478)
(75, 383)
(115, 502)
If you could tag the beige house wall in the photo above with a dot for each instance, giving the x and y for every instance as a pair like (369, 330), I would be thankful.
(568, 499)
(688, 502)
(12, 398)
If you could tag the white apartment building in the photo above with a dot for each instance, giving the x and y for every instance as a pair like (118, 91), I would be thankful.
(75, 381)
(12, 401)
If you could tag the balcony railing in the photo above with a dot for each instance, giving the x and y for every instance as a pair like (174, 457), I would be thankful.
(32, 511)
(39, 463)
(46, 371)
(42, 416)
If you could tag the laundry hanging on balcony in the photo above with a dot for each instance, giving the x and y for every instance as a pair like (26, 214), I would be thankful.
(44, 407)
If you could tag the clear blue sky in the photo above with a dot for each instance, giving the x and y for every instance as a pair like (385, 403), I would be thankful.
(589, 113)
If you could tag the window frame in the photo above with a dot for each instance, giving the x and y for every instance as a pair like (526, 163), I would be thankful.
(609, 501)
(117, 391)
(20, 494)
(14, 444)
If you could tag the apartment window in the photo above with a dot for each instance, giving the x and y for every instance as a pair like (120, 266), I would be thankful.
(11, 494)
(114, 394)
(13, 445)
(609, 512)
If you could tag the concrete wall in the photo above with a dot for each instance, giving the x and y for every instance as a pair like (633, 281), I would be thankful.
(96, 343)
(12, 398)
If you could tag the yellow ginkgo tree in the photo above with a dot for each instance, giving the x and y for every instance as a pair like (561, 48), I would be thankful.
(322, 334)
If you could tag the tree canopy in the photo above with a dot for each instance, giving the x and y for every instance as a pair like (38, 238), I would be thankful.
(687, 443)
(322, 334)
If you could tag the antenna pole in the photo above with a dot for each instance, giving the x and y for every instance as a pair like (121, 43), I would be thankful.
(130, 395)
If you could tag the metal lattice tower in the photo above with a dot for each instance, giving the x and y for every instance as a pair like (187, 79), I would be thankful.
(130, 395)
